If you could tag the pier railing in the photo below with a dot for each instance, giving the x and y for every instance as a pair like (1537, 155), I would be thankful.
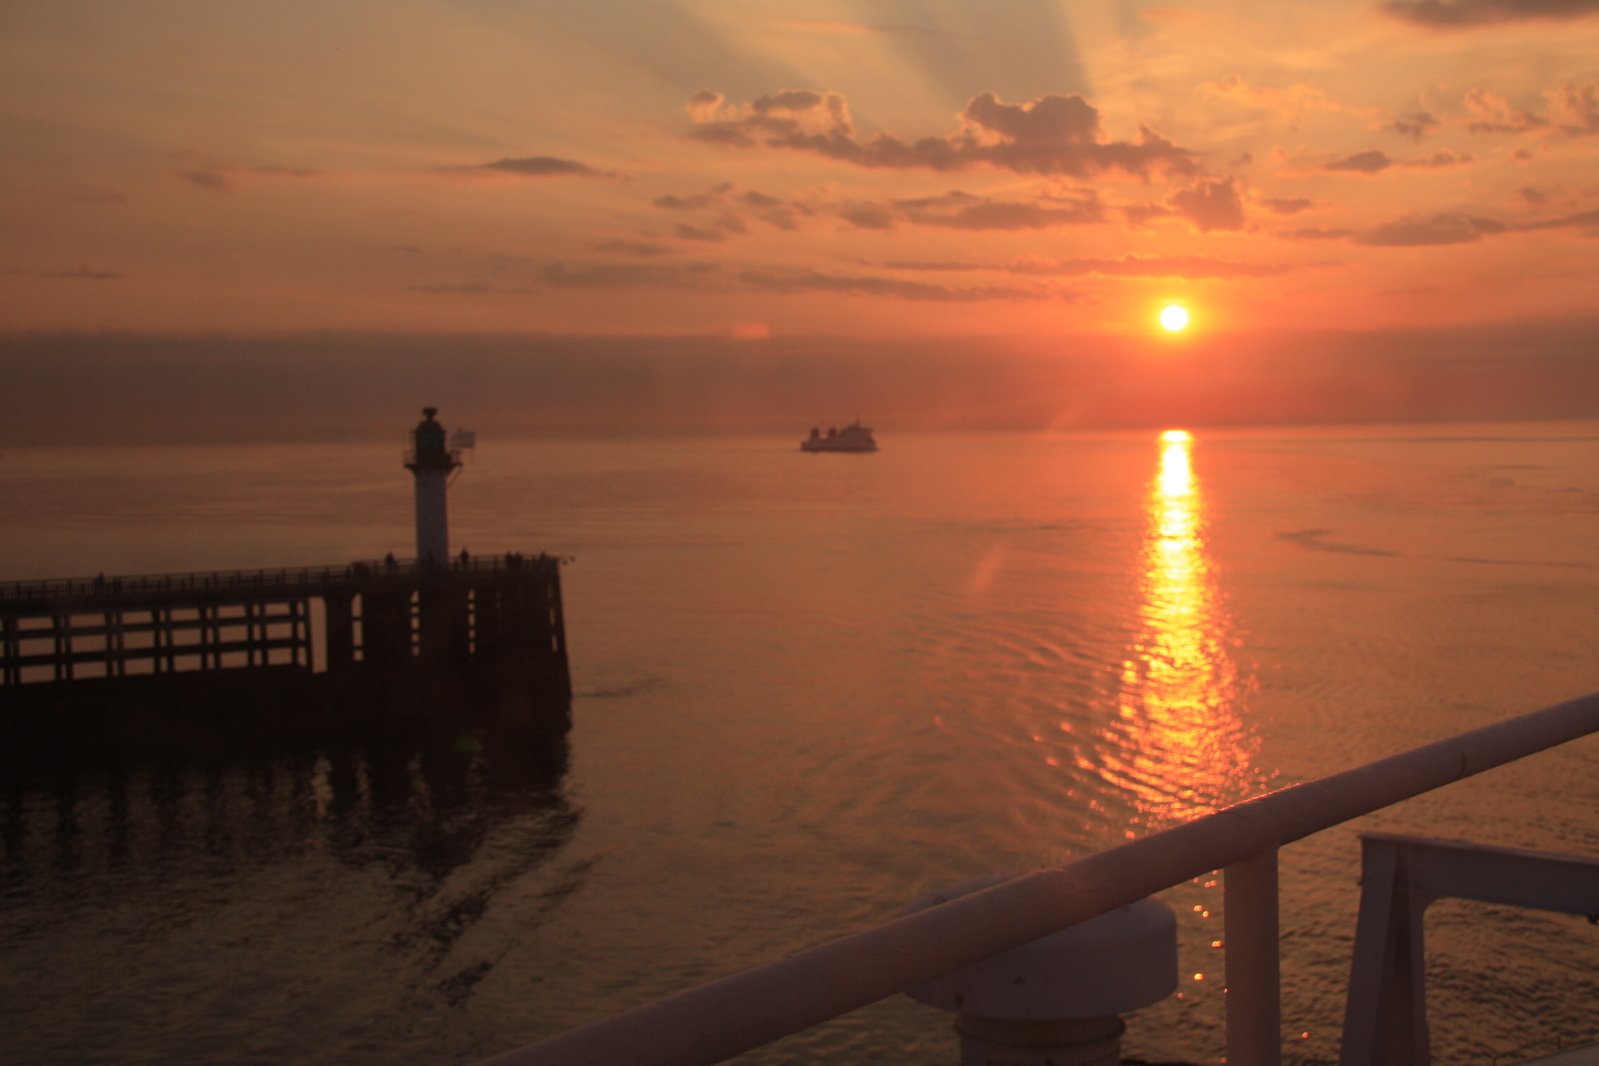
(759, 1006)
(389, 612)
(311, 578)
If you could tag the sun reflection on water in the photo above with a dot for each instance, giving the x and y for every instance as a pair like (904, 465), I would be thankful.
(1184, 750)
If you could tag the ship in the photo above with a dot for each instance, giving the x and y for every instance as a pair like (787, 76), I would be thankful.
(852, 438)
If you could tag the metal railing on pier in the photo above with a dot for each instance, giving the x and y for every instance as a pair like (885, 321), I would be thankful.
(759, 1006)
(310, 578)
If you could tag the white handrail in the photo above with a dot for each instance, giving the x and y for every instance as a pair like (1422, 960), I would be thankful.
(747, 1010)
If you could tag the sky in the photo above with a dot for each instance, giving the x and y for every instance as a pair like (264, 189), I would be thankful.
(743, 182)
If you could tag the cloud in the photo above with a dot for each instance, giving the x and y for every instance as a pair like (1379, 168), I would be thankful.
(1127, 266)
(1373, 161)
(1445, 227)
(1285, 205)
(468, 288)
(700, 233)
(1288, 102)
(869, 216)
(1456, 14)
(1425, 230)
(537, 166)
(214, 175)
(1368, 162)
(1495, 114)
(1150, 266)
(1574, 108)
(210, 180)
(81, 272)
(870, 285)
(965, 211)
(1439, 159)
(646, 248)
(1415, 125)
(1052, 134)
(711, 277)
(1211, 204)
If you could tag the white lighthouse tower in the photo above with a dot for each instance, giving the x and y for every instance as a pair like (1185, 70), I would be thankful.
(432, 462)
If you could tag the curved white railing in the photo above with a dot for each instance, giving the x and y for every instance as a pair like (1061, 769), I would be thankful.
(747, 1010)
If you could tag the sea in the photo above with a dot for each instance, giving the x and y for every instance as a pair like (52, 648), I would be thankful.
(810, 689)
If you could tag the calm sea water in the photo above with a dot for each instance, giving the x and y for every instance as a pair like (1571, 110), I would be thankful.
(809, 690)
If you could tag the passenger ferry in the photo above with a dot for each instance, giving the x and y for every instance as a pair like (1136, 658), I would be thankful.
(852, 438)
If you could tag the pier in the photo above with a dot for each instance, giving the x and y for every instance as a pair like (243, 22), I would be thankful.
(361, 618)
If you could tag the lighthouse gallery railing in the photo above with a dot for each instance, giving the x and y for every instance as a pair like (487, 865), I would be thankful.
(747, 1010)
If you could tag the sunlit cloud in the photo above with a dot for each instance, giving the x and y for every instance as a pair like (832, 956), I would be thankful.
(1287, 102)
(1052, 134)
(1455, 14)
(1492, 113)
(1574, 108)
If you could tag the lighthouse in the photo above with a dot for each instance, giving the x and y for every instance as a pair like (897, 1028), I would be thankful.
(431, 462)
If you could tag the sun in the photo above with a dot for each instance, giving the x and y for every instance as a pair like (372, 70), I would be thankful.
(1174, 318)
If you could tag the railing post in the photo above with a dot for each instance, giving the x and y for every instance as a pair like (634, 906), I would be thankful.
(1254, 1001)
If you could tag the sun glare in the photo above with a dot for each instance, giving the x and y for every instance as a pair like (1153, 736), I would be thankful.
(1174, 317)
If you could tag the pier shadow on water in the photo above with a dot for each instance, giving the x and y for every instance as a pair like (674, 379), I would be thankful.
(204, 884)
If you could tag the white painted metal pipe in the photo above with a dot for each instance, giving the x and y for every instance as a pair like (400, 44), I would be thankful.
(1254, 1004)
(747, 1010)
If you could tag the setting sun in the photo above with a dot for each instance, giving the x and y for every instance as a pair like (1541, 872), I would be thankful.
(1174, 317)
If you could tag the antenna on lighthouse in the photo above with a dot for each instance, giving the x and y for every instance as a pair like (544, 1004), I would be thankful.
(431, 462)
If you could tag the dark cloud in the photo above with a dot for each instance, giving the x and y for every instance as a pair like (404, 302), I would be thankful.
(1285, 206)
(1053, 134)
(537, 166)
(870, 285)
(1425, 230)
(82, 272)
(1368, 162)
(471, 288)
(215, 175)
(1127, 266)
(700, 233)
(1138, 266)
(1455, 14)
(868, 217)
(711, 277)
(1415, 125)
(209, 180)
(1211, 204)
(963, 210)
(631, 276)
(635, 248)
(1374, 161)
(686, 203)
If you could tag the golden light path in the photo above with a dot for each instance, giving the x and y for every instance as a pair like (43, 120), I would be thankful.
(1186, 751)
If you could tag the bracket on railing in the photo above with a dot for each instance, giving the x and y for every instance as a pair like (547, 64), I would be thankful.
(1385, 1019)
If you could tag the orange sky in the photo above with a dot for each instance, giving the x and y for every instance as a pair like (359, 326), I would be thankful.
(751, 169)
